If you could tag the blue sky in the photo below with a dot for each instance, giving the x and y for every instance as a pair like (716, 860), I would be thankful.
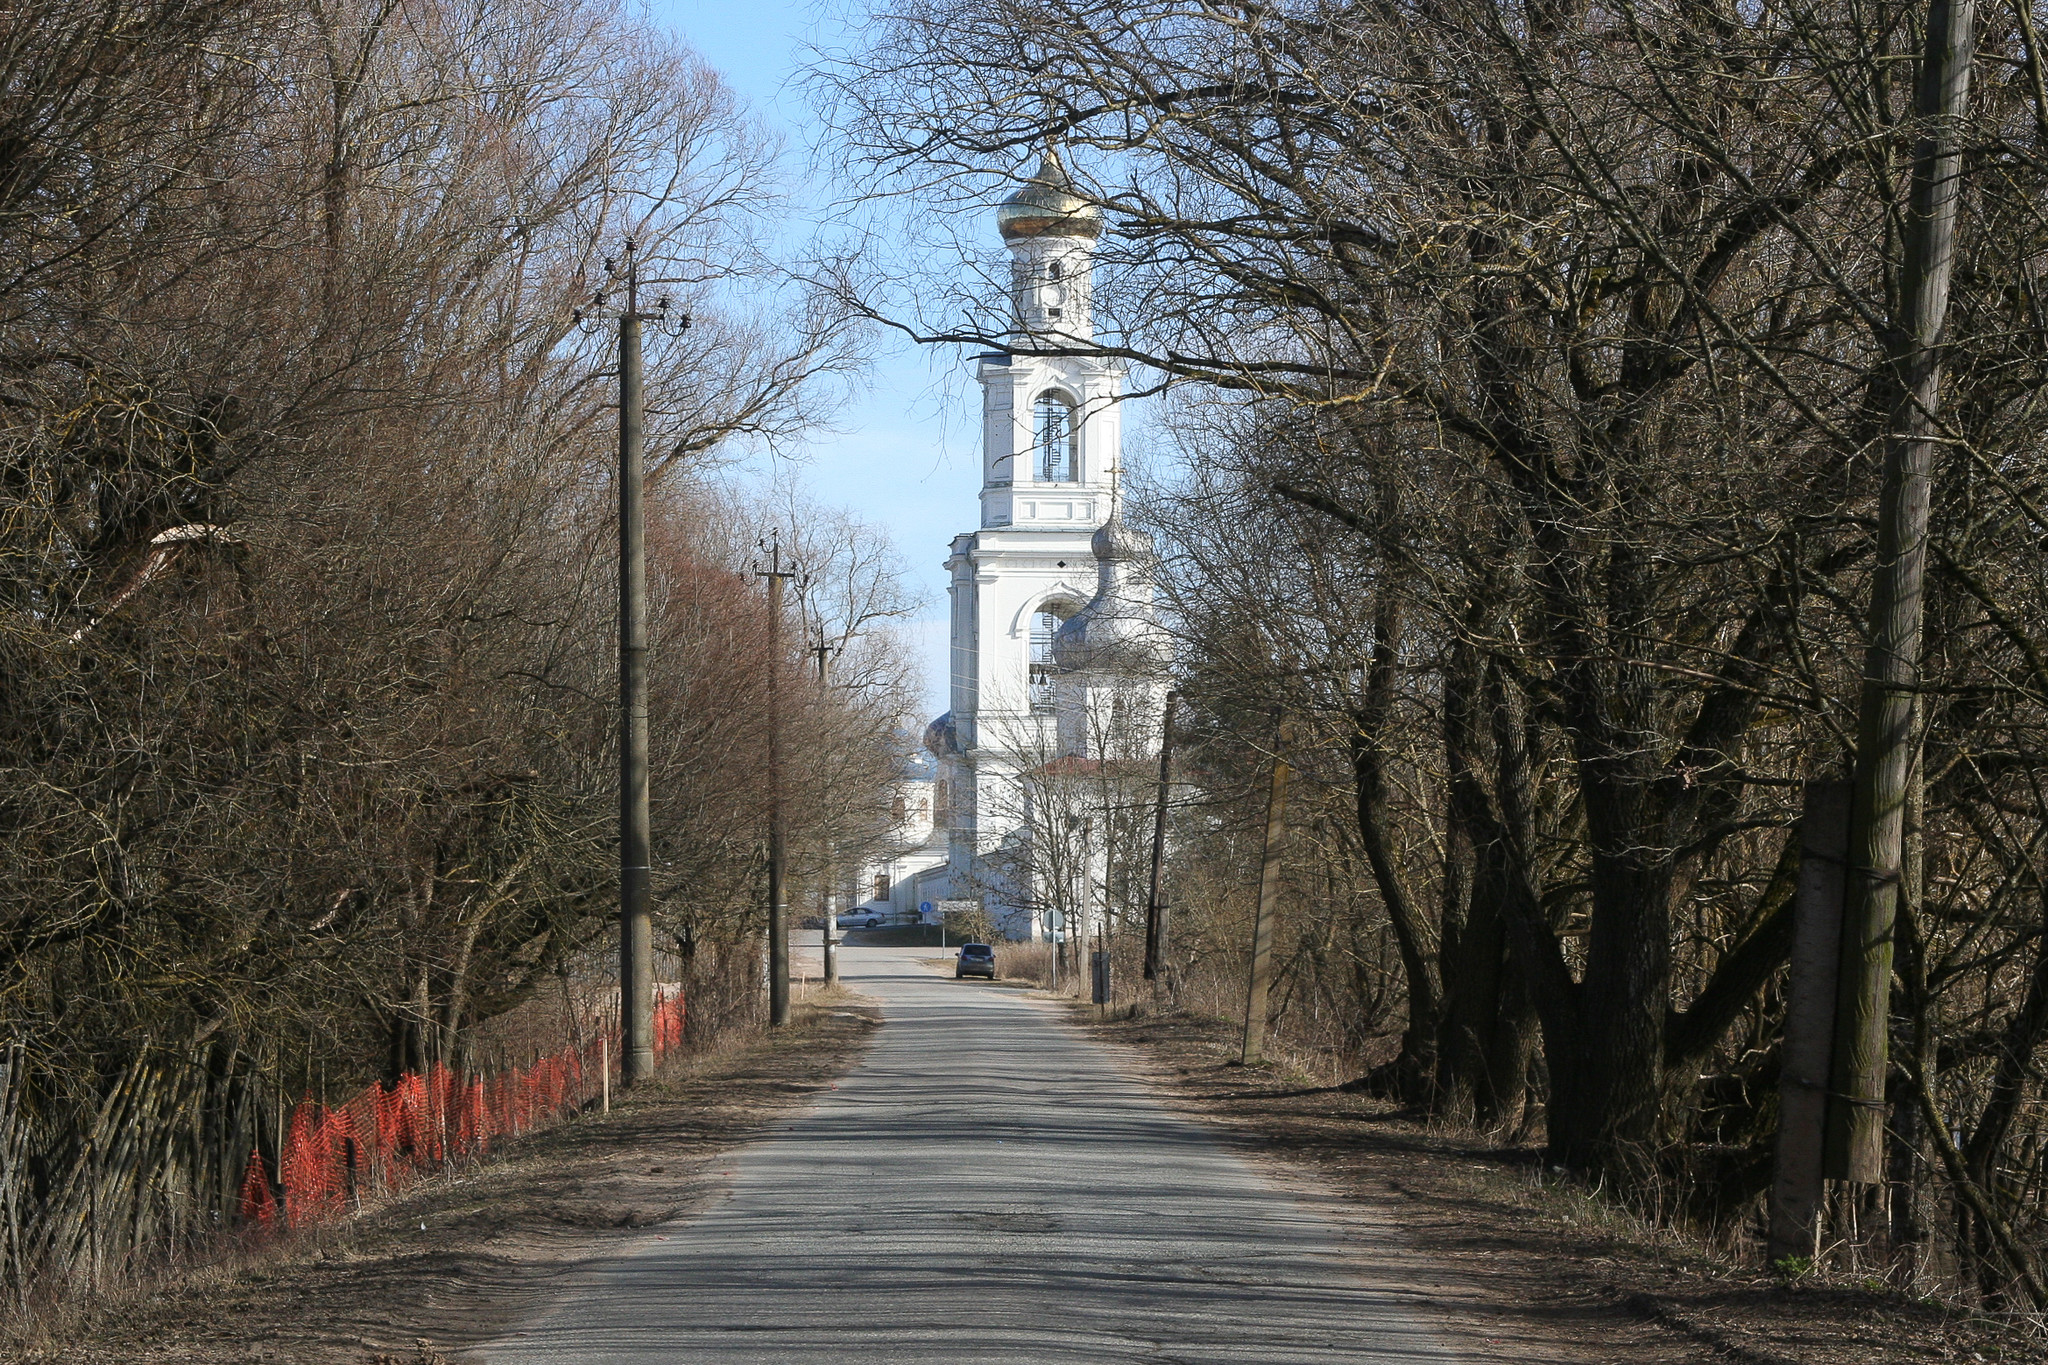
(903, 456)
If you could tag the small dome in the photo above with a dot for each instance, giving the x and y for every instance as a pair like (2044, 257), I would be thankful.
(1109, 635)
(1114, 542)
(1046, 206)
(1115, 632)
(942, 737)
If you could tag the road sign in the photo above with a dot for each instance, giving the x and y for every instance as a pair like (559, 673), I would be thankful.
(935, 912)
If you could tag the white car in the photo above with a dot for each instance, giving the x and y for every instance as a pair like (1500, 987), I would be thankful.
(860, 919)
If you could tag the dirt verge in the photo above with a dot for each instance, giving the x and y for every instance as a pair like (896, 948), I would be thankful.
(1519, 1264)
(453, 1260)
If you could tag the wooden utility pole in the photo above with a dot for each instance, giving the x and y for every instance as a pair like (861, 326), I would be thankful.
(1886, 745)
(1155, 908)
(778, 910)
(636, 923)
(1797, 1184)
(1254, 1050)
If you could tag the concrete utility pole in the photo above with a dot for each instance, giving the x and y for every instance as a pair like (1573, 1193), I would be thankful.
(1887, 748)
(1105, 933)
(1797, 1185)
(636, 923)
(1254, 1050)
(830, 947)
(778, 910)
(636, 927)
(1155, 908)
(1081, 931)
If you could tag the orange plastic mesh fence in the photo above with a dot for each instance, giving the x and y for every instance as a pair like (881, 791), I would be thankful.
(387, 1136)
(259, 1208)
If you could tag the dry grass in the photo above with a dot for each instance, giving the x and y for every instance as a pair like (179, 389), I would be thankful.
(1028, 962)
(1528, 1256)
(453, 1258)
(1213, 999)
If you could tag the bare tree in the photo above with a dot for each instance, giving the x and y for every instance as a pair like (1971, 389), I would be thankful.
(305, 764)
(1552, 345)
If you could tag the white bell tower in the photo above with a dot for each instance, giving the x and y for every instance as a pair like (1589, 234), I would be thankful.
(1051, 440)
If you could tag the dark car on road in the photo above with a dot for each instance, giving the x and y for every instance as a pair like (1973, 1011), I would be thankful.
(976, 959)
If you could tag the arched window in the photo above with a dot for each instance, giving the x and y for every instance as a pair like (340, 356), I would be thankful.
(1045, 623)
(1055, 439)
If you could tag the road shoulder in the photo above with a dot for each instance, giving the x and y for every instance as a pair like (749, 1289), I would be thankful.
(459, 1257)
(1513, 1263)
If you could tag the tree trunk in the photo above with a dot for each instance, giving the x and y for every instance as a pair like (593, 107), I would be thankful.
(1505, 972)
(1413, 1068)
(1617, 1100)
(1487, 1023)
(1468, 826)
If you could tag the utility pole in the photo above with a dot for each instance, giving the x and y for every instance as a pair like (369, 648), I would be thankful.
(1887, 747)
(1105, 943)
(1056, 945)
(1083, 928)
(636, 923)
(1254, 1050)
(778, 911)
(1155, 908)
(1798, 1187)
(830, 947)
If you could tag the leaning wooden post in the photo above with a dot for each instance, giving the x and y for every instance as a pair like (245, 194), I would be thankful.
(1254, 1050)
(1797, 1184)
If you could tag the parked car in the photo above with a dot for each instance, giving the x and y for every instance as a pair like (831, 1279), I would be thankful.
(860, 919)
(976, 959)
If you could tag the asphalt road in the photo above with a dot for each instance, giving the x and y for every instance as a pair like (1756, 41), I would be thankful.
(986, 1186)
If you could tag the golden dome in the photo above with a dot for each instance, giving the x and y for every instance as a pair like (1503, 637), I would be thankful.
(1046, 206)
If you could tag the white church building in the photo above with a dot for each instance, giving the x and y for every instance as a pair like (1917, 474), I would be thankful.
(1049, 597)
